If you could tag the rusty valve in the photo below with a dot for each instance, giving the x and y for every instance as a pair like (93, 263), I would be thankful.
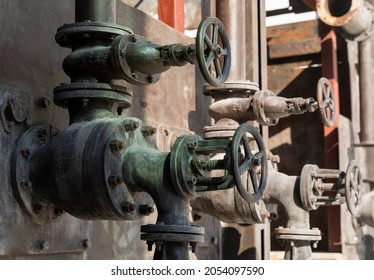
(326, 102)
(141, 62)
(190, 164)
(267, 108)
(253, 165)
(210, 33)
(324, 187)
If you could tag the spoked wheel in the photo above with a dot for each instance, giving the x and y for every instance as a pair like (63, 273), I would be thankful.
(255, 164)
(213, 51)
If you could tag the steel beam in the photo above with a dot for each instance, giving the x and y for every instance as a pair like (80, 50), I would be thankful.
(171, 12)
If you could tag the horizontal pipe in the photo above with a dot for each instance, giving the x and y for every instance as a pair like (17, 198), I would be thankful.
(352, 16)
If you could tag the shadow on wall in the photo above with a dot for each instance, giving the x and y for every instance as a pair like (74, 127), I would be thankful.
(232, 236)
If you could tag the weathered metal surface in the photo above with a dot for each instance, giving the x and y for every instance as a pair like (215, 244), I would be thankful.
(287, 41)
(65, 235)
(232, 14)
(354, 17)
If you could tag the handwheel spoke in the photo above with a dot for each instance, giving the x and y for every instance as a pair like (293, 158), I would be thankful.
(247, 148)
(215, 34)
(259, 156)
(253, 175)
(218, 68)
(208, 42)
(210, 58)
(245, 166)
(212, 37)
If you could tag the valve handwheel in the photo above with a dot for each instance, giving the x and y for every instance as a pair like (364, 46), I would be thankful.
(211, 33)
(326, 102)
(353, 190)
(249, 162)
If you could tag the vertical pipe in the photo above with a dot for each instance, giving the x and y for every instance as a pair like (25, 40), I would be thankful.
(208, 8)
(366, 100)
(232, 15)
(95, 10)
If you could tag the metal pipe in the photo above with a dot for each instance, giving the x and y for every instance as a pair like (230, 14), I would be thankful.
(172, 208)
(95, 11)
(366, 100)
(284, 190)
(232, 15)
(352, 16)
(366, 214)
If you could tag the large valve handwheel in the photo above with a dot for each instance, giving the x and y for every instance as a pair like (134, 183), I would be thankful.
(213, 47)
(255, 164)
(326, 102)
(353, 190)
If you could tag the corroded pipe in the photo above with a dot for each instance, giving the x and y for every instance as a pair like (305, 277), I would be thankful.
(352, 16)
(284, 190)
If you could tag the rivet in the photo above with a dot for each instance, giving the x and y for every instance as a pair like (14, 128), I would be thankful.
(150, 79)
(58, 211)
(37, 208)
(149, 245)
(85, 244)
(134, 75)
(115, 180)
(117, 145)
(43, 245)
(127, 207)
(46, 102)
(193, 246)
(192, 145)
(149, 130)
(132, 125)
(25, 153)
(146, 209)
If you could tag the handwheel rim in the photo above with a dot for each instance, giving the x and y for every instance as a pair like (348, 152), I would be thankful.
(326, 102)
(353, 189)
(238, 169)
(216, 52)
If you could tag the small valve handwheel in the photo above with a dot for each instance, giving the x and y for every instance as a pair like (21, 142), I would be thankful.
(255, 164)
(326, 102)
(353, 190)
(211, 33)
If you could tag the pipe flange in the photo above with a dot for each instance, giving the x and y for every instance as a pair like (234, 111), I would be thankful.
(30, 141)
(183, 180)
(69, 33)
(354, 14)
(295, 234)
(172, 233)
(307, 181)
(368, 33)
(121, 66)
(243, 89)
(220, 131)
(258, 105)
(85, 91)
